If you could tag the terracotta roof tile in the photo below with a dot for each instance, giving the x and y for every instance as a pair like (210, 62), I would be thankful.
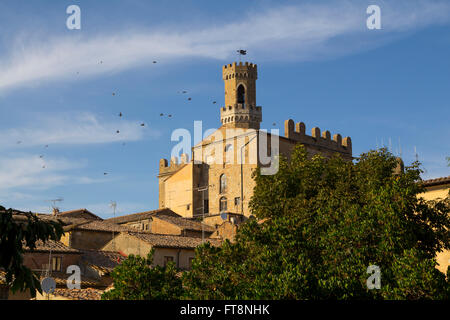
(186, 224)
(103, 261)
(436, 182)
(79, 294)
(97, 225)
(79, 213)
(54, 246)
(61, 280)
(141, 216)
(171, 241)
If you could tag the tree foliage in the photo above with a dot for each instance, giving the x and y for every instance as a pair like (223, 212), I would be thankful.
(15, 237)
(137, 279)
(322, 222)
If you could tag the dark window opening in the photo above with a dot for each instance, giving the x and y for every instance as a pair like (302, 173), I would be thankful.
(223, 204)
(241, 94)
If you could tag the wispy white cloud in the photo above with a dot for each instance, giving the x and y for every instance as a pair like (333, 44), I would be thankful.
(31, 171)
(301, 32)
(71, 129)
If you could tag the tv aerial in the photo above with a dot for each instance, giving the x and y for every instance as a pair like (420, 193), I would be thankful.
(54, 201)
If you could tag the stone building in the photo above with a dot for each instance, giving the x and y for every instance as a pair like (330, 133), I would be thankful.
(163, 221)
(218, 176)
(179, 249)
(84, 230)
(438, 188)
(52, 258)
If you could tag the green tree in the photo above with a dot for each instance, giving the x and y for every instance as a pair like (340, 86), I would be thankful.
(17, 234)
(136, 279)
(320, 224)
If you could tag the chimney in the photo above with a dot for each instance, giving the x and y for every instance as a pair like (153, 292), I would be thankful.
(55, 211)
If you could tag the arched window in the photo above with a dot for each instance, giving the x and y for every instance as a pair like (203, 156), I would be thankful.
(223, 204)
(241, 94)
(223, 183)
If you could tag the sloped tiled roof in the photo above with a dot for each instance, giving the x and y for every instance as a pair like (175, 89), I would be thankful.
(54, 246)
(141, 216)
(63, 220)
(103, 225)
(436, 182)
(171, 241)
(104, 261)
(79, 213)
(61, 280)
(79, 294)
(186, 224)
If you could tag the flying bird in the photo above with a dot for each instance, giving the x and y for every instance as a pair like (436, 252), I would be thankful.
(170, 116)
(154, 61)
(242, 52)
(120, 114)
(161, 114)
(142, 124)
(113, 93)
(19, 142)
(105, 173)
(214, 102)
(117, 131)
(189, 99)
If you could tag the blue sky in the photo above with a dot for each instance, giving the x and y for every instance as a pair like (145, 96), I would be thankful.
(317, 63)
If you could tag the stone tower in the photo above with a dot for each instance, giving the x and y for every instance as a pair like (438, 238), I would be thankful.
(240, 110)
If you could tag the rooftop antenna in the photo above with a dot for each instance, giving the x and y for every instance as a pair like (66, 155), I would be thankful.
(377, 142)
(415, 152)
(399, 147)
(241, 53)
(113, 205)
(53, 203)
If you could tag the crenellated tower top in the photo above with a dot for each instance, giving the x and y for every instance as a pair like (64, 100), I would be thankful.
(240, 110)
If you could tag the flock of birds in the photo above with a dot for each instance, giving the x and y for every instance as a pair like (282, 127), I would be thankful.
(142, 124)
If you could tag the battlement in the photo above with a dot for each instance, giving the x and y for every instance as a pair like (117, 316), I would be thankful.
(241, 113)
(298, 133)
(240, 70)
(166, 168)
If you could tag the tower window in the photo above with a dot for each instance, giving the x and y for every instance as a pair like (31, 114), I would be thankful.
(241, 94)
(223, 183)
(223, 204)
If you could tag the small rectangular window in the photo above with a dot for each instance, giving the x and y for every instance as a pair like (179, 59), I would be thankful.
(56, 263)
(206, 205)
(167, 259)
(237, 201)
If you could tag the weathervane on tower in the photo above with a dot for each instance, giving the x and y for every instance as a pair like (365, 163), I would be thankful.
(241, 53)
